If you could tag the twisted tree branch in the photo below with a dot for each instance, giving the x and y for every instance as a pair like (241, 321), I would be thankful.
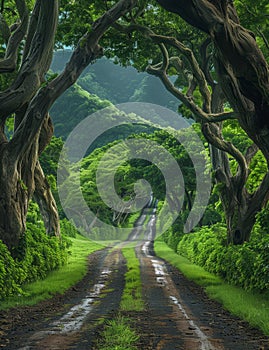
(160, 70)
(8, 64)
(86, 51)
(196, 110)
(241, 176)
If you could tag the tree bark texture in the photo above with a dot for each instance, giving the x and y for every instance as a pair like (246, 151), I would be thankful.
(46, 202)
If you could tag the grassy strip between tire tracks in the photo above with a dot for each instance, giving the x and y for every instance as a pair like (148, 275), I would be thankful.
(132, 294)
(59, 280)
(118, 335)
(250, 306)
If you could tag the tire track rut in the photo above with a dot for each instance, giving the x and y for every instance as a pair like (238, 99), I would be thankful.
(73, 326)
(180, 315)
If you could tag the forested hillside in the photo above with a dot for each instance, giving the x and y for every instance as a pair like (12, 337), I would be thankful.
(100, 85)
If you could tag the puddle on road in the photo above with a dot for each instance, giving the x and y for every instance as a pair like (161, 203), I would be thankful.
(145, 249)
(205, 343)
(73, 320)
(158, 265)
(138, 228)
(151, 226)
(159, 272)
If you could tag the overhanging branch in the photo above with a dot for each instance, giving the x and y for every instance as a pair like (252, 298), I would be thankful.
(4, 29)
(241, 176)
(250, 153)
(86, 51)
(196, 110)
(8, 64)
(31, 71)
(160, 70)
(31, 29)
(197, 72)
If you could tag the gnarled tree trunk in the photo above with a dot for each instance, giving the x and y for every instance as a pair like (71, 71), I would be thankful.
(46, 202)
(244, 79)
(239, 206)
(30, 98)
(42, 194)
(17, 186)
(242, 69)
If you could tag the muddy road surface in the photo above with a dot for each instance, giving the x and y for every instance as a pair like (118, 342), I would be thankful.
(178, 314)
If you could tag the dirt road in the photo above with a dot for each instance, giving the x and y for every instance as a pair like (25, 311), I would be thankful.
(178, 314)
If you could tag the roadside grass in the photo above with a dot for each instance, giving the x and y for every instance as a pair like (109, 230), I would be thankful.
(118, 335)
(57, 281)
(250, 306)
(132, 294)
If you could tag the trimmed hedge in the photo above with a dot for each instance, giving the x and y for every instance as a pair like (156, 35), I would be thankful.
(244, 265)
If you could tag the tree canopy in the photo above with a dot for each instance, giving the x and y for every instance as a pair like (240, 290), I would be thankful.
(221, 74)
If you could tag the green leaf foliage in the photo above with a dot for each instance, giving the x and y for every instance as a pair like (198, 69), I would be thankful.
(244, 265)
(36, 255)
(72, 107)
(131, 168)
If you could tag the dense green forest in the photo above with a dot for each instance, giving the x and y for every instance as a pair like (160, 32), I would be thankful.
(160, 52)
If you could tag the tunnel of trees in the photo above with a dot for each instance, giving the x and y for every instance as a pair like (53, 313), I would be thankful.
(222, 76)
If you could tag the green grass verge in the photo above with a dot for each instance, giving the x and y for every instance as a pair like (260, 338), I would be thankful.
(132, 294)
(118, 335)
(250, 306)
(57, 281)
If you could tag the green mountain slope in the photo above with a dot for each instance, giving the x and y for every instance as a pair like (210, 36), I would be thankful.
(72, 107)
(101, 85)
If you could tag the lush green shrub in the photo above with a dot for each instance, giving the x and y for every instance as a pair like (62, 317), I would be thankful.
(245, 265)
(171, 238)
(36, 255)
(68, 229)
(8, 273)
